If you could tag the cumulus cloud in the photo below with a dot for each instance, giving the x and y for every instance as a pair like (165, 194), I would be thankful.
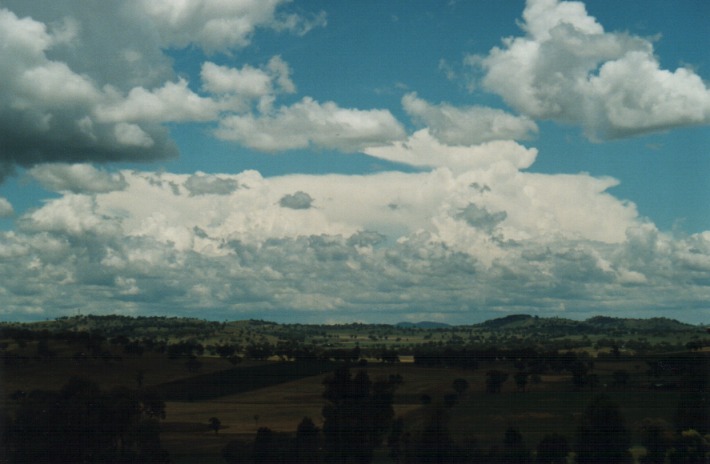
(217, 25)
(567, 68)
(309, 123)
(76, 178)
(6, 209)
(63, 101)
(422, 149)
(469, 125)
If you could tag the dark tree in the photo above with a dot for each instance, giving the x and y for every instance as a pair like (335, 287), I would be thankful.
(621, 378)
(215, 424)
(690, 447)
(271, 447)
(495, 380)
(152, 404)
(460, 386)
(521, 380)
(357, 416)
(602, 436)
(307, 442)
(579, 374)
(693, 412)
(514, 450)
(656, 437)
(82, 424)
(552, 449)
(434, 445)
(150, 450)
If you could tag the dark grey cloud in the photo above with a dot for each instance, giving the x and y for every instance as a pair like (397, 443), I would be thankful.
(298, 200)
(76, 178)
(481, 218)
(203, 184)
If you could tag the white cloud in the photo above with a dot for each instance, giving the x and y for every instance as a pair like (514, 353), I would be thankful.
(567, 68)
(132, 135)
(76, 178)
(46, 108)
(173, 102)
(239, 88)
(482, 240)
(63, 101)
(217, 25)
(6, 209)
(424, 150)
(310, 123)
(468, 125)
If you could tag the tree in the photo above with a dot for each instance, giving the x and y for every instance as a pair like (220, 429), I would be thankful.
(460, 386)
(215, 424)
(621, 378)
(656, 437)
(356, 416)
(552, 449)
(693, 412)
(271, 447)
(81, 423)
(307, 442)
(521, 380)
(514, 450)
(434, 444)
(602, 436)
(495, 380)
(690, 447)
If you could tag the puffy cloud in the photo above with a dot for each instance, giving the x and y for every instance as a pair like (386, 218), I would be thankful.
(173, 102)
(239, 88)
(469, 125)
(46, 108)
(424, 150)
(487, 238)
(310, 123)
(63, 101)
(76, 178)
(217, 25)
(6, 209)
(567, 68)
(483, 241)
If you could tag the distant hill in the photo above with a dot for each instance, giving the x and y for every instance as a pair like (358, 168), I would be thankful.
(423, 325)
(596, 324)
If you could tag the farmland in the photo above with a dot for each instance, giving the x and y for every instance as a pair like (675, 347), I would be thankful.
(257, 375)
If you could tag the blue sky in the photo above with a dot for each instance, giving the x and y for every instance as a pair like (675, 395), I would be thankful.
(331, 161)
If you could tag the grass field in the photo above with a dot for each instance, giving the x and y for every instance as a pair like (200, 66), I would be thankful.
(551, 406)
(278, 394)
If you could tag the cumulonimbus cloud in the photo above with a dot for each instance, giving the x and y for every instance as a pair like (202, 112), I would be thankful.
(485, 239)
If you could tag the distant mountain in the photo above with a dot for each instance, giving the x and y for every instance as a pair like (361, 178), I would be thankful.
(597, 324)
(423, 325)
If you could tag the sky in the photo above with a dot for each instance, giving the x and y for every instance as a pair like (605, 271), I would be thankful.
(331, 161)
